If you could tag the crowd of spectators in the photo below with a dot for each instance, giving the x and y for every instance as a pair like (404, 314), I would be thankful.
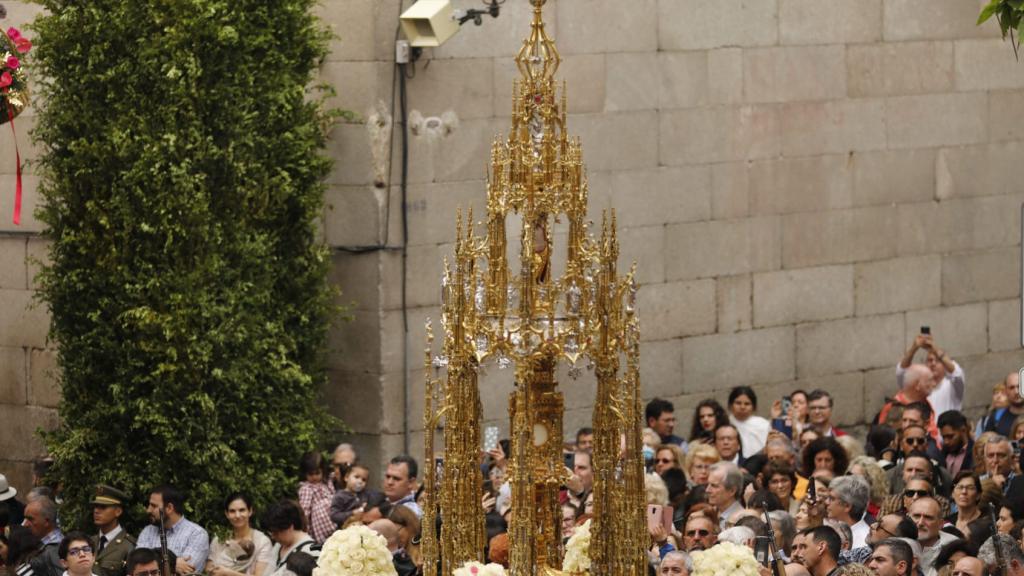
(927, 492)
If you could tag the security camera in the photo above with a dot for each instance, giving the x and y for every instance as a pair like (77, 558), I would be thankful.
(429, 23)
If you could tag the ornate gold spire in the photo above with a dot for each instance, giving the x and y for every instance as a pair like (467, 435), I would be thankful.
(535, 312)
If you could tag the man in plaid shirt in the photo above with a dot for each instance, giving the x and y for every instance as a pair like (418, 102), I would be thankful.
(185, 538)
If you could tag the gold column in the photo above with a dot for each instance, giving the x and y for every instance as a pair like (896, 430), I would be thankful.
(535, 318)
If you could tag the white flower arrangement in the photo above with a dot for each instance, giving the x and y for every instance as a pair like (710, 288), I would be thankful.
(725, 559)
(355, 551)
(577, 550)
(477, 569)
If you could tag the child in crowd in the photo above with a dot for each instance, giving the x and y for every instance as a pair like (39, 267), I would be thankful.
(350, 502)
(315, 496)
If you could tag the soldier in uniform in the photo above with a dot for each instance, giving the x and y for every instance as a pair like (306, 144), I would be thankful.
(112, 544)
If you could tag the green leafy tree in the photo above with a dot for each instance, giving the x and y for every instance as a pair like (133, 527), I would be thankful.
(1009, 13)
(183, 173)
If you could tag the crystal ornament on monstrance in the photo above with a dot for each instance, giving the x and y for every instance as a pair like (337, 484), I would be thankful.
(532, 318)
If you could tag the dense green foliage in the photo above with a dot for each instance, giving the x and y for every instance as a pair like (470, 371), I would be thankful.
(1008, 13)
(183, 176)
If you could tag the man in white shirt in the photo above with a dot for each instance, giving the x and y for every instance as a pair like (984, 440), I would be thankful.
(847, 501)
(949, 376)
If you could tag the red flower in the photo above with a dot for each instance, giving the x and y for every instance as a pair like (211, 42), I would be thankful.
(5, 79)
(23, 45)
(13, 33)
(13, 63)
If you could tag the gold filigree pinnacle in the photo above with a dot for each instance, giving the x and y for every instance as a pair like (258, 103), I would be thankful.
(534, 313)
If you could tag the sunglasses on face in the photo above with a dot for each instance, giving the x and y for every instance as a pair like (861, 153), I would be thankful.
(915, 441)
(878, 526)
(915, 493)
(698, 533)
(664, 460)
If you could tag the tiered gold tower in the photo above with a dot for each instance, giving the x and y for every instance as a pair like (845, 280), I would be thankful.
(533, 319)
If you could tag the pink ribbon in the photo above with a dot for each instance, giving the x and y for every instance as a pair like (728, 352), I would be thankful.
(17, 157)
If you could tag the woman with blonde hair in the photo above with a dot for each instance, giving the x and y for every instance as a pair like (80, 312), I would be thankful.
(656, 494)
(655, 491)
(853, 447)
(1017, 430)
(667, 456)
(979, 452)
(869, 469)
(698, 463)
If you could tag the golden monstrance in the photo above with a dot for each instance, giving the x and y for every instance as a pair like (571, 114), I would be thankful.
(531, 319)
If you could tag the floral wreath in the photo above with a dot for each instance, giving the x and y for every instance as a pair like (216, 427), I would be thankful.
(577, 550)
(355, 551)
(725, 559)
(13, 93)
(473, 568)
(13, 81)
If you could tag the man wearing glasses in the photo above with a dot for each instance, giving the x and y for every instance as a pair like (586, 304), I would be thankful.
(76, 554)
(918, 486)
(915, 462)
(819, 412)
(699, 534)
(999, 478)
(888, 526)
(920, 414)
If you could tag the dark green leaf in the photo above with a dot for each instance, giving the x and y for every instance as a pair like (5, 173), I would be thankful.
(987, 12)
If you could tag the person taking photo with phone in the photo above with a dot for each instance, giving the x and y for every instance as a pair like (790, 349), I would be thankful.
(948, 393)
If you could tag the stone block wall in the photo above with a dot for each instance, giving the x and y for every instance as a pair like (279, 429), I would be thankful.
(802, 183)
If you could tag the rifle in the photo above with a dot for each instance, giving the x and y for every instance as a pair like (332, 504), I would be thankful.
(779, 565)
(1000, 561)
(165, 561)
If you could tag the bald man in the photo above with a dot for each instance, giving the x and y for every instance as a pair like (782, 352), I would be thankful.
(796, 569)
(948, 392)
(917, 383)
(387, 529)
